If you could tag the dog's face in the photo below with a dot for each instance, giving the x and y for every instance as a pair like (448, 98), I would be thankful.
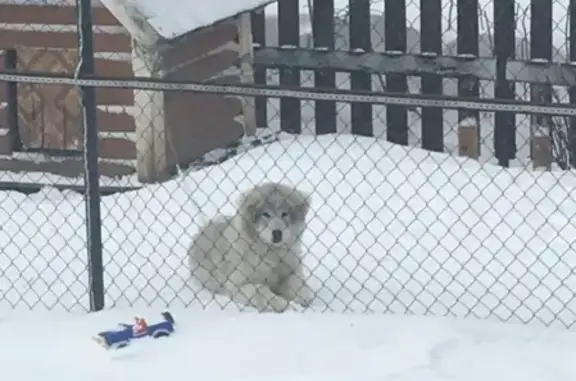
(276, 225)
(277, 215)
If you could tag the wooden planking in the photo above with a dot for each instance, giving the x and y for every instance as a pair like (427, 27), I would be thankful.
(117, 148)
(104, 67)
(199, 43)
(51, 14)
(103, 42)
(113, 68)
(104, 96)
(114, 96)
(115, 122)
(206, 67)
(5, 143)
(107, 122)
(110, 148)
(66, 167)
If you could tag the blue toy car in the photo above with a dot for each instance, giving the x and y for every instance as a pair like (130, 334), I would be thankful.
(122, 337)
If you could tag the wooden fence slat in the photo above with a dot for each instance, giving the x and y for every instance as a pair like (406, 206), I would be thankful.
(51, 14)
(395, 39)
(361, 118)
(541, 48)
(504, 49)
(260, 75)
(323, 36)
(289, 34)
(467, 43)
(432, 123)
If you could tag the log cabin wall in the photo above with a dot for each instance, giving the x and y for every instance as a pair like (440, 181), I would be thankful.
(44, 37)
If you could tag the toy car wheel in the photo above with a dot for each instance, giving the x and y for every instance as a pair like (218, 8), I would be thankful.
(168, 317)
(120, 345)
(158, 334)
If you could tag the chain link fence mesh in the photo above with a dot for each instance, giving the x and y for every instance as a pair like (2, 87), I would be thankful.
(391, 228)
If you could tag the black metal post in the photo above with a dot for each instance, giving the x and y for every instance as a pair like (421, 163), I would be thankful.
(504, 49)
(12, 119)
(572, 89)
(91, 170)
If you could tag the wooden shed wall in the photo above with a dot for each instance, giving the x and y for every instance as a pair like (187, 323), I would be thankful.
(45, 39)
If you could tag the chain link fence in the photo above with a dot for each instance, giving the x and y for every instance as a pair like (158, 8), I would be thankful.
(414, 208)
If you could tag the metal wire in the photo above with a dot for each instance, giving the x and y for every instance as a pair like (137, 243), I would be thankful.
(414, 100)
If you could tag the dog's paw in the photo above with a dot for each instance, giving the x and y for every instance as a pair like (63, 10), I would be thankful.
(304, 297)
(275, 304)
(295, 307)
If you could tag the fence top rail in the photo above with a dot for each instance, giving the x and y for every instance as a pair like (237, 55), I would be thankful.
(535, 71)
(337, 95)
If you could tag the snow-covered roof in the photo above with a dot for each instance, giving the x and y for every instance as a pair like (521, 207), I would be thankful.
(150, 20)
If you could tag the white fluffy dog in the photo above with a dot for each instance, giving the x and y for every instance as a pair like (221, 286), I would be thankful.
(255, 257)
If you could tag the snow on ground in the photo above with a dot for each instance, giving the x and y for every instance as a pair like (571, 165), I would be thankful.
(392, 230)
(297, 347)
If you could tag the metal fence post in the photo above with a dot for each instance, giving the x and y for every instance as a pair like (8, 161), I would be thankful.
(572, 90)
(91, 172)
(12, 118)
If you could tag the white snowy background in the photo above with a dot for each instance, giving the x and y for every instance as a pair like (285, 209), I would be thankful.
(426, 266)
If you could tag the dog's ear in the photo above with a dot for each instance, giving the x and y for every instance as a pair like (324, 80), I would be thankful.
(302, 206)
(253, 212)
(249, 205)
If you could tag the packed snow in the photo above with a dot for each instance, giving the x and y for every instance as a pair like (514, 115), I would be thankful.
(394, 232)
(484, 257)
(290, 347)
(392, 229)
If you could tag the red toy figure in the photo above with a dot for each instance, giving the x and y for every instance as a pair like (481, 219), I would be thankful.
(140, 327)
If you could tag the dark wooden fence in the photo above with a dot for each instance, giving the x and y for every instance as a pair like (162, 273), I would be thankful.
(396, 62)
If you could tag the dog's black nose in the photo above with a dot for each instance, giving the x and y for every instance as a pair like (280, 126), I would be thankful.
(276, 236)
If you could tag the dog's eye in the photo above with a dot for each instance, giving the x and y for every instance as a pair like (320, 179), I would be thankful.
(265, 214)
(284, 214)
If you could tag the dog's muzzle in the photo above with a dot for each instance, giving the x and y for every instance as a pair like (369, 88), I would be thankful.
(276, 236)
